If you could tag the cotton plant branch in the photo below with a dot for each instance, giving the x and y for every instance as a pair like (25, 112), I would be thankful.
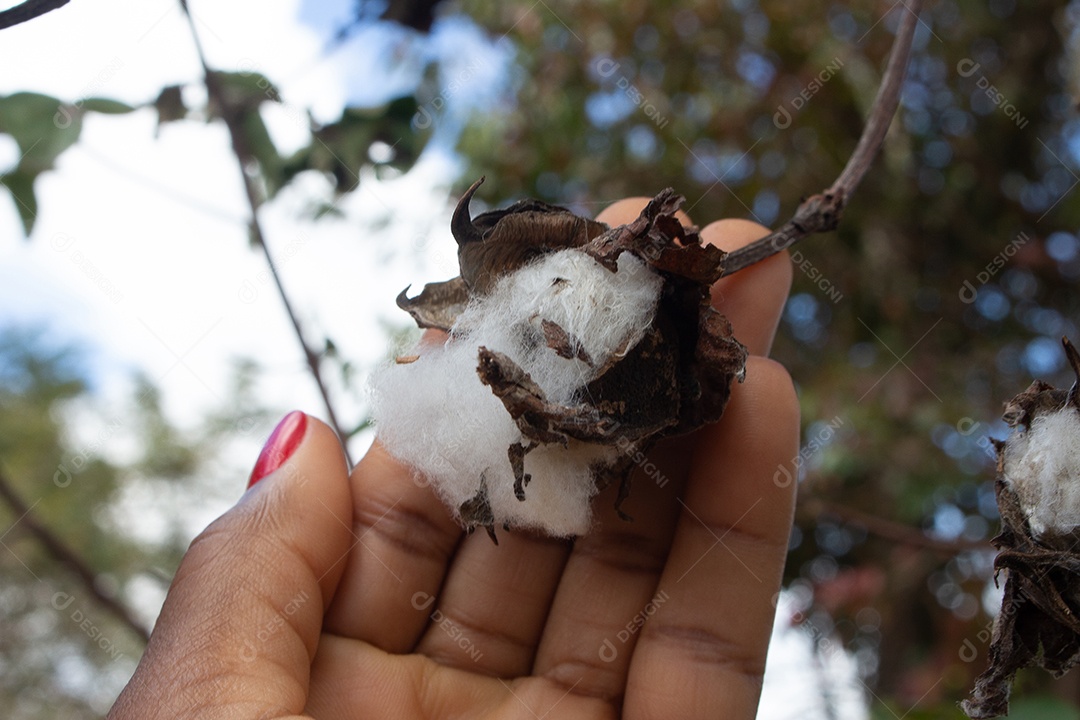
(243, 159)
(63, 554)
(27, 11)
(822, 212)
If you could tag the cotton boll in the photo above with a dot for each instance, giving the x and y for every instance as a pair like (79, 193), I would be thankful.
(605, 311)
(1038, 496)
(1042, 466)
(436, 415)
(557, 500)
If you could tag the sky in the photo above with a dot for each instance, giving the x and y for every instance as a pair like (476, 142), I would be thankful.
(140, 255)
(140, 248)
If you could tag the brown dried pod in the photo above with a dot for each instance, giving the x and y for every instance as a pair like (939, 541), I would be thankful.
(1038, 495)
(667, 377)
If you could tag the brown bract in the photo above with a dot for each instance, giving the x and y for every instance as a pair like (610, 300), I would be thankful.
(1039, 623)
(675, 378)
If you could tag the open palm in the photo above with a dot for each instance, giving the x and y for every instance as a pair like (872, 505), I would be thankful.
(344, 596)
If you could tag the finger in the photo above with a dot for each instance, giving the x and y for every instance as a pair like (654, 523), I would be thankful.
(241, 622)
(489, 615)
(611, 575)
(613, 570)
(752, 299)
(492, 608)
(702, 650)
(627, 210)
(402, 540)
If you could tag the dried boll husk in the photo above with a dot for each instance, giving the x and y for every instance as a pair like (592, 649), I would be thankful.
(1038, 495)
(581, 395)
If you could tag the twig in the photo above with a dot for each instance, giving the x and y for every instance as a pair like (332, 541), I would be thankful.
(821, 213)
(24, 12)
(63, 554)
(890, 529)
(243, 158)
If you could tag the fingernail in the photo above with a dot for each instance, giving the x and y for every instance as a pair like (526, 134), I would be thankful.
(280, 446)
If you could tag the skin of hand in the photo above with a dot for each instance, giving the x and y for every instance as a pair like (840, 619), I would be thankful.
(329, 595)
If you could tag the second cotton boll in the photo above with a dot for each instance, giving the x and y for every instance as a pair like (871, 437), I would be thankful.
(437, 415)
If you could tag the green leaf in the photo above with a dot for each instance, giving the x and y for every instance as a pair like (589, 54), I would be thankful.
(260, 146)
(245, 89)
(108, 106)
(21, 187)
(342, 147)
(42, 126)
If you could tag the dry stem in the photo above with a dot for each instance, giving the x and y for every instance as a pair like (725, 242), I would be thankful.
(26, 11)
(314, 362)
(821, 213)
(62, 553)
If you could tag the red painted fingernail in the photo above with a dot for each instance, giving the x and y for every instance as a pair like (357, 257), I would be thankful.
(280, 446)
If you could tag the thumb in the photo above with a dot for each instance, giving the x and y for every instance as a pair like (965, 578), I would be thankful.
(242, 619)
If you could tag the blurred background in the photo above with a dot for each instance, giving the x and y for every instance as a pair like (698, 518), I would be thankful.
(145, 350)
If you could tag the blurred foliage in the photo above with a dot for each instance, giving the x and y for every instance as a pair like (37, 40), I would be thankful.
(43, 127)
(944, 292)
(61, 653)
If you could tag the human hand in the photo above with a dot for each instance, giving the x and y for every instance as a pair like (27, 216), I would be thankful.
(343, 596)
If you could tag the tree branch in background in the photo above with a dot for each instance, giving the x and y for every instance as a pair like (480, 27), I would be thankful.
(64, 555)
(822, 212)
(888, 529)
(244, 158)
(24, 12)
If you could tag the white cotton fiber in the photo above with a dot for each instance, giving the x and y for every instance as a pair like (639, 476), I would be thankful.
(1042, 465)
(436, 415)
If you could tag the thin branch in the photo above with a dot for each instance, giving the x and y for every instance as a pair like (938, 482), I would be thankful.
(24, 12)
(822, 212)
(890, 529)
(243, 159)
(63, 554)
